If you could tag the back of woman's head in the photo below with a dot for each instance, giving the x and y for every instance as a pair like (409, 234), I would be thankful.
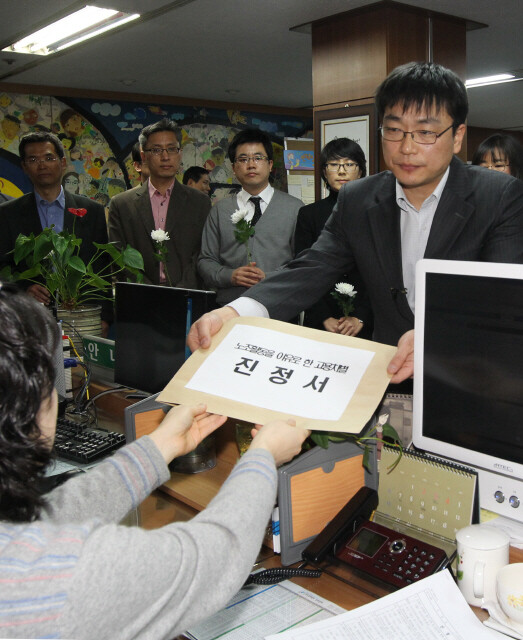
(28, 340)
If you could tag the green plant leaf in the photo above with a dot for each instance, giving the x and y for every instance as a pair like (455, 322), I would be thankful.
(72, 280)
(397, 461)
(132, 258)
(138, 276)
(320, 438)
(30, 273)
(53, 282)
(77, 264)
(110, 248)
(390, 432)
(60, 243)
(24, 245)
(53, 258)
(340, 437)
(366, 457)
(99, 282)
(42, 247)
(6, 274)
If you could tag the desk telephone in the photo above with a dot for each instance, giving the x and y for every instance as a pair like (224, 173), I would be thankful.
(382, 553)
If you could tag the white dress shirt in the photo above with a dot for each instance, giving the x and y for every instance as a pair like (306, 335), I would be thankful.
(244, 202)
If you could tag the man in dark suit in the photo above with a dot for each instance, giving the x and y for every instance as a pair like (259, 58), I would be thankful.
(428, 205)
(43, 160)
(161, 203)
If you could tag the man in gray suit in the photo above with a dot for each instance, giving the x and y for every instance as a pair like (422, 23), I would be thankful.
(224, 264)
(163, 203)
(428, 205)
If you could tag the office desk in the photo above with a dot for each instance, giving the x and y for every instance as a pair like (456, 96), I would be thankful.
(186, 494)
(161, 508)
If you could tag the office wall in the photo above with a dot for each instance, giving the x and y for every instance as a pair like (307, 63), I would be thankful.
(98, 135)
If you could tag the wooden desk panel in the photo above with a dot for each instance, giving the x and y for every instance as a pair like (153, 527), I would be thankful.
(197, 490)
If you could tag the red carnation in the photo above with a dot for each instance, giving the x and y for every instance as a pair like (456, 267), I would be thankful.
(78, 212)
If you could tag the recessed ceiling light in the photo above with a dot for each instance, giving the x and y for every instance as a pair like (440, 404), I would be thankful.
(496, 79)
(72, 29)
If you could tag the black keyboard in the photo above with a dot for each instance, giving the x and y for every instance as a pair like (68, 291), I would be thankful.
(76, 443)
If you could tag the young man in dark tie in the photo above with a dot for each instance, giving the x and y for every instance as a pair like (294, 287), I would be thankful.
(224, 262)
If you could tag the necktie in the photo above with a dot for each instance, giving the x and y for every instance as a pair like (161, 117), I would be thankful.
(257, 209)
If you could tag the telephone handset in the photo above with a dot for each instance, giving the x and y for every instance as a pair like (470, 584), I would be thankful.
(391, 557)
(357, 510)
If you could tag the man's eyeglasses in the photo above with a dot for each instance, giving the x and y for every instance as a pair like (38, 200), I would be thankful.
(421, 136)
(497, 166)
(157, 151)
(334, 167)
(256, 159)
(47, 159)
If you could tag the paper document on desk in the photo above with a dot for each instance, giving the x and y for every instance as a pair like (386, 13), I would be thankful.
(259, 370)
(260, 609)
(430, 609)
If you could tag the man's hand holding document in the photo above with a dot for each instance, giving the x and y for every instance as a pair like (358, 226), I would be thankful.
(260, 370)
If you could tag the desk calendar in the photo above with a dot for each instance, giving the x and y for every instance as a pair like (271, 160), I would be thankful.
(430, 495)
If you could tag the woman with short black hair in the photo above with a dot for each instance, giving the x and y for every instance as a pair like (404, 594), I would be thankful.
(67, 568)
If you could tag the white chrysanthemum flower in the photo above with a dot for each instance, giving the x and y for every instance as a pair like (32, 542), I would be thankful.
(238, 215)
(159, 235)
(345, 289)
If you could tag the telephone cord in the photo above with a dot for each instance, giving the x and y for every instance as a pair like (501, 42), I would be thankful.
(273, 576)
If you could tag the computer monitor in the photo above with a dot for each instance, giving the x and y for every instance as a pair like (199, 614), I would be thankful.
(151, 327)
(468, 382)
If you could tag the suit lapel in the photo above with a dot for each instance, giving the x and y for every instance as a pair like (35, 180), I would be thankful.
(384, 219)
(29, 215)
(452, 213)
(176, 210)
(69, 218)
(142, 205)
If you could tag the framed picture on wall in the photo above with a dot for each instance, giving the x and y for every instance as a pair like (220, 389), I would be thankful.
(355, 122)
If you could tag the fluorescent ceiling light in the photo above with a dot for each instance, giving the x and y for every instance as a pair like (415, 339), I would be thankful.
(497, 79)
(74, 28)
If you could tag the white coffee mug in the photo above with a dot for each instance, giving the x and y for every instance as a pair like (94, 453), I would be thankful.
(482, 551)
(509, 589)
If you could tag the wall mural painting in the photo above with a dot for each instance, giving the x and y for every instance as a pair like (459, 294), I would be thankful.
(98, 138)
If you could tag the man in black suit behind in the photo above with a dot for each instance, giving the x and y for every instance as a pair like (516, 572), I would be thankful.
(428, 205)
(43, 161)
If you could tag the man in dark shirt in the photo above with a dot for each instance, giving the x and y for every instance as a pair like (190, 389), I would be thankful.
(43, 161)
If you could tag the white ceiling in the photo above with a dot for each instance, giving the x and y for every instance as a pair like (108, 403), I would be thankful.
(242, 51)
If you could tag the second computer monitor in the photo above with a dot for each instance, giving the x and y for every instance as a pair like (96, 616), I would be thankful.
(151, 327)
